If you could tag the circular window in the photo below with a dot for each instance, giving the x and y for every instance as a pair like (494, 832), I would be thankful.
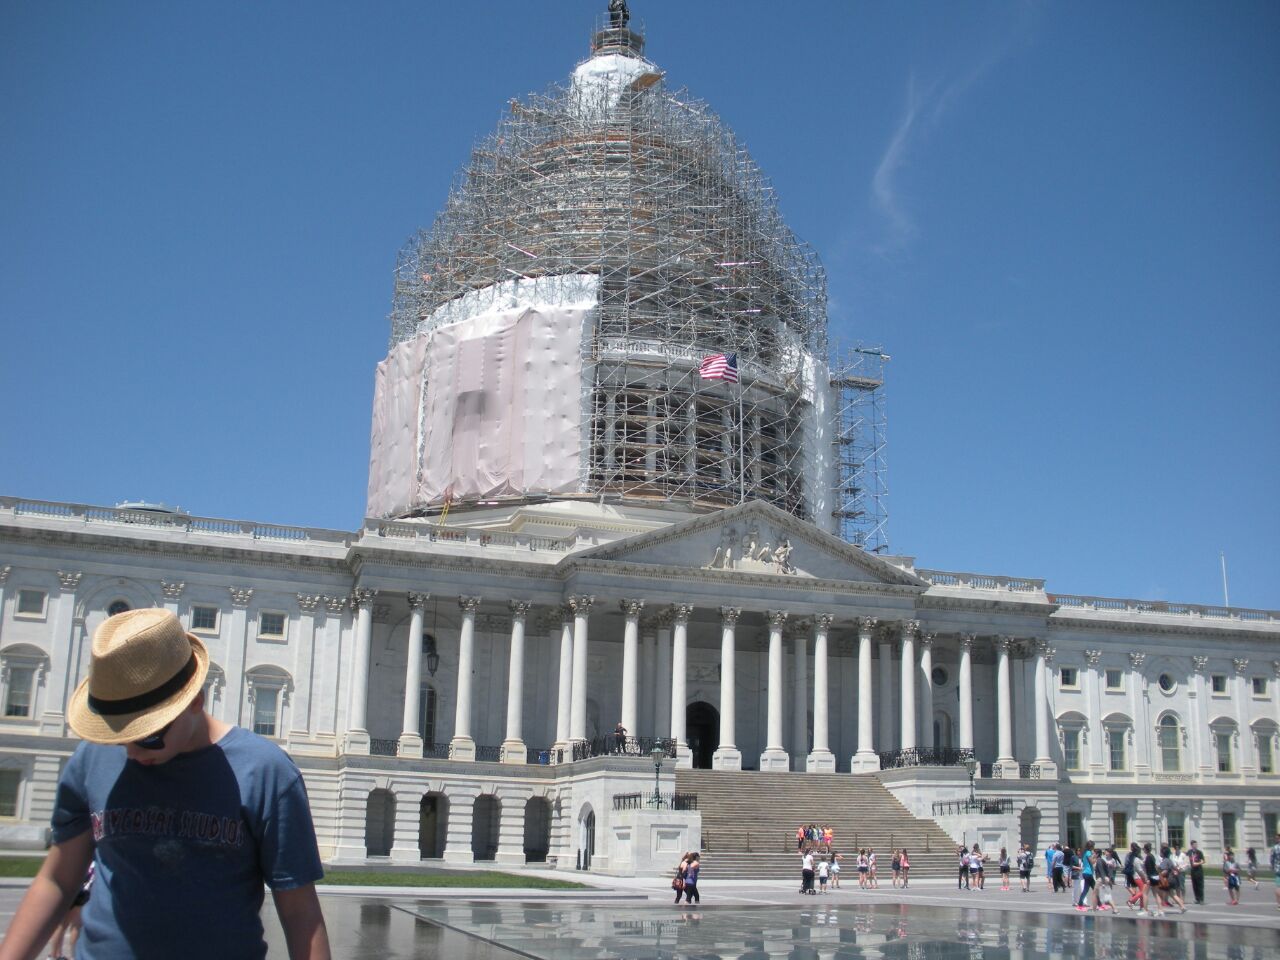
(118, 606)
(940, 676)
(1167, 683)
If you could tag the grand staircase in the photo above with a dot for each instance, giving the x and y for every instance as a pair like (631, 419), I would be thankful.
(749, 822)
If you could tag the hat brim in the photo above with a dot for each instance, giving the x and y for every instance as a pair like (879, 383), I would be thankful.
(128, 727)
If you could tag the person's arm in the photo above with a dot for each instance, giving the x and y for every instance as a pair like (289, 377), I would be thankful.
(48, 898)
(303, 923)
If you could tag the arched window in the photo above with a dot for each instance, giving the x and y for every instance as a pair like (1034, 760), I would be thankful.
(1170, 741)
(269, 689)
(1264, 734)
(1118, 730)
(118, 606)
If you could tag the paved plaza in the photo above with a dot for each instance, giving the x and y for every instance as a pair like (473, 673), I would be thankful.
(756, 919)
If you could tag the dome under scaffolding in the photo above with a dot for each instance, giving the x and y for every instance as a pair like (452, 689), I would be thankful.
(615, 195)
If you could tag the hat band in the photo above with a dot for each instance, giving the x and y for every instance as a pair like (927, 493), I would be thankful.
(113, 708)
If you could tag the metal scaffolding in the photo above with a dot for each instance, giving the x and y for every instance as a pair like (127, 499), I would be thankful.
(857, 379)
(614, 178)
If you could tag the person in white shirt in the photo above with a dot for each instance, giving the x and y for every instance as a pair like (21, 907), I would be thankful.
(824, 871)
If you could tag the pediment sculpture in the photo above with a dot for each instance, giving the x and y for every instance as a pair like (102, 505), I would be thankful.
(750, 553)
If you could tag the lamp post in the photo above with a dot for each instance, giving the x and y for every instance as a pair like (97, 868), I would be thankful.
(656, 755)
(971, 764)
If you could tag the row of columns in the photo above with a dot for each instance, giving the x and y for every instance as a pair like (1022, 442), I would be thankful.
(672, 656)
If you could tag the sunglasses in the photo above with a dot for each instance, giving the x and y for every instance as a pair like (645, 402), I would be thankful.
(156, 740)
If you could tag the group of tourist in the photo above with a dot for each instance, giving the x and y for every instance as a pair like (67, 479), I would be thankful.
(813, 837)
(817, 869)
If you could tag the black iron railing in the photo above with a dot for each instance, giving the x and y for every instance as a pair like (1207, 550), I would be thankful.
(1029, 771)
(612, 746)
(435, 751)
(939, 757)
(384, 748)
(488, 754)
(983, 805)
(538, 755)
(639, 801)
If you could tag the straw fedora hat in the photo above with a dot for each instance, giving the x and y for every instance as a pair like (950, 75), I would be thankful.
(144, 670)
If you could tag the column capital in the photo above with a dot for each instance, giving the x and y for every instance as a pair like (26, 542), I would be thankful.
(631, 608)
(1241, 664)
(418, 600)
(69, 580)
(1004, 644)
(469, 604)
(172, 589)
(910, 628)
(1093, 657)
(519, 608)
(866, 626)
(926, 640)
(664, 618)
(776, 617)
(681, 613)
(240, 596)
(4, 572)
(822, 621)
(308, 602)
(581, 604)
(1275, 667)
(1042, 647)
(362, 597)
(729, 615)
(336, 604)
(1199, 663)
(966, 640)
(1137, 659)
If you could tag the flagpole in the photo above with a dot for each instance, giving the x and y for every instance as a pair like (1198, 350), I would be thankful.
(742, 443)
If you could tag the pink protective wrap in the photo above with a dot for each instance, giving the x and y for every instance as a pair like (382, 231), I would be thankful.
(486, 407)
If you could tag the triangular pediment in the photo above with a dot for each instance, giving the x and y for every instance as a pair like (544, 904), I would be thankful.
(752, 538)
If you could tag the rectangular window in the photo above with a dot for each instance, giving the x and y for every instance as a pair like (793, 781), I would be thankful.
(266, 701)
(1170, 755)
(31, 603)
(1259, 686)
(17, 701)
(204, 619)
(1071, 748)
(427, 714)
(271, 625)
(1229, 830)
(1270, 828)
(1266, 760)
(1218, 683)
(1119, 829)
(1115, 679)
(1115, 747)
(10, 780)
(1068, 678)
(1075, 830)
(1177, 829)
(1223, 743)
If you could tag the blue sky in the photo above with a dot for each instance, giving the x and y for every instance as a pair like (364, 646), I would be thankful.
(1061, 219)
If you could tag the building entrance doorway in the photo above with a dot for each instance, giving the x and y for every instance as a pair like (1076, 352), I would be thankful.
(702, 727)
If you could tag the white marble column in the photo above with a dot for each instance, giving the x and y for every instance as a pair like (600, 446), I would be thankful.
(727, 755)
(866, 758)
(885, 739)
(1004, 709)
(463, 746)
(581, 607)
(631, 665)
(410, 738)
(662, 680)
(513, 748)
(820, 759)
(799, 699)
(648, 679)
(679, 675)
(564, 690)
(926, 691)
(1041, 707)
(908, 692)
(357, 739)
(775, 756)
(966, 694)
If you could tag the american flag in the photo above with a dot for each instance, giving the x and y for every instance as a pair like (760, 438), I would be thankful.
(720, 366)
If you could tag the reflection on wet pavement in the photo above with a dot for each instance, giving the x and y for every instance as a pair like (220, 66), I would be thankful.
(422, 928)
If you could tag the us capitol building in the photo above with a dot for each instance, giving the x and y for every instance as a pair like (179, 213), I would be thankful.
(569, 527)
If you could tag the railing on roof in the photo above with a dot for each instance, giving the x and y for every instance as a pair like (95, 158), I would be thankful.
(1163, 608)
(176, 521)
(981, 581)
(403, 530)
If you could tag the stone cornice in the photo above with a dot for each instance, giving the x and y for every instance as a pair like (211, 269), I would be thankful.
(1199, 629)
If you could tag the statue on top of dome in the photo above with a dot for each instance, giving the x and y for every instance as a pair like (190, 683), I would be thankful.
(619, 15)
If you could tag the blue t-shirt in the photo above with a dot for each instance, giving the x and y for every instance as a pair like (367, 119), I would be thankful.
(183, 848)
